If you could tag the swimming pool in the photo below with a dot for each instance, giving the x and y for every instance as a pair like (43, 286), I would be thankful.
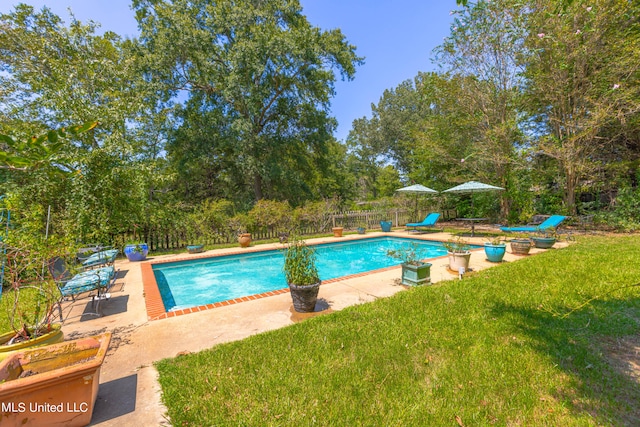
(209, 280)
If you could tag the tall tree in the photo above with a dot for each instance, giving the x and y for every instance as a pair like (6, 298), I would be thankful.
(53, 76)
(486, 38)
(260, 64)
(581, 80)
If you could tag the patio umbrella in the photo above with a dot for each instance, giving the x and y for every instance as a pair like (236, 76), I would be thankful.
(417, 189)
(472, 187)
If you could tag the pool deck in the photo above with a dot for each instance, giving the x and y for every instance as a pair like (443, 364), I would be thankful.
(129, 392)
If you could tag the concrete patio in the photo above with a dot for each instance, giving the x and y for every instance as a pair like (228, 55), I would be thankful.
(129, 392)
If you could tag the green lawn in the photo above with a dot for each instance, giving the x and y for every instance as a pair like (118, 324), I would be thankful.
(512, 345)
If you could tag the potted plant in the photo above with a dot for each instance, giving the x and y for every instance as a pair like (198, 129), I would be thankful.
(31, 300)
(53, 385)
(459, 254)
(136, 251)
(414, 271)
(495, 249)
(386, 225)
(302, 275)
(337, 231)
(195, 249)
(545, 241)
(362, 228)
(520, 245)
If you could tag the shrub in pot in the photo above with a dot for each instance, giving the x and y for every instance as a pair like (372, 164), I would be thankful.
(459, 254)
(495, 249)
(414, 271)
(302, 276)
(136, 251)
(520, 245)
(545, 241)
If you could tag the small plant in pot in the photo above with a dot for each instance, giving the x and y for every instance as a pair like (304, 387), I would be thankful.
(495, 249)
(302, 276)
(137, 251)
(544, 241)
(414, 271)
(520, 245)
(459, 254)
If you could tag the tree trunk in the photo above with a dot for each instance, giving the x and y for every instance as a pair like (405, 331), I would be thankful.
(257, 186)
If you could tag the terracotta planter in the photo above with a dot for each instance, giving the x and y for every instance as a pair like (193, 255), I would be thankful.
(415, 275)
(520, 246)
(337, 231)
(304, 297)
(458, 260)
(53, 385)
(244, 239)
(52, 337)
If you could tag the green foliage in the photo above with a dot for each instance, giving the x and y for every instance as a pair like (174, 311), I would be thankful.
(408, 254)
(272, 215)
(30, 295)
(259, 75)
(626, 213)
(300, 263)
(457, 245)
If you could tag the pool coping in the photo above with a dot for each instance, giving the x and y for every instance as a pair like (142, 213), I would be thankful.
(156, 309)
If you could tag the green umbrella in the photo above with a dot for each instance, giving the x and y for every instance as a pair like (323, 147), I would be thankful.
(417, 189)
(472, 187)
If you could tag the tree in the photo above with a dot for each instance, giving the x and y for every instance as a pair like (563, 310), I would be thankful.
(580, 82)
(54, 76)
(481, 54)
(267, 72)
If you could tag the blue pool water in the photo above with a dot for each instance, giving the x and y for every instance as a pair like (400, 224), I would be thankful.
(205, 281)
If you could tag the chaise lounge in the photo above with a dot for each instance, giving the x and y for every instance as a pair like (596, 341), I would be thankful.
(429, 221)
(550, 223)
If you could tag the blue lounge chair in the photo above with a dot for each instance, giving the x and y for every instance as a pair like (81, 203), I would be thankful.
(94, 283)
(101, 258)
(429, 221)
(550, 223)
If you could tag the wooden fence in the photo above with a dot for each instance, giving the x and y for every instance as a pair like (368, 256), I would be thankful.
(176, 239)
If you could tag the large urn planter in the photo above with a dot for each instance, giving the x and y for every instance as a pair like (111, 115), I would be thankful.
(459, 260)
(416, 274)
(136, 252)
(304, 297)
(244, 239)
(385, 225)
(55, 335)
(53, 385)
(520, 246)
(495, 252)
(337, 231)
(543, 242)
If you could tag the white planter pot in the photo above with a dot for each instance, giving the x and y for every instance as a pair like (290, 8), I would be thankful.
(459, 260)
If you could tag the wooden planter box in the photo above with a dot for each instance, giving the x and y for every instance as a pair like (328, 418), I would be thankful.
(53, 385)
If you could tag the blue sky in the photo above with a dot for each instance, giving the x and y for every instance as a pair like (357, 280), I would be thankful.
(395, 37)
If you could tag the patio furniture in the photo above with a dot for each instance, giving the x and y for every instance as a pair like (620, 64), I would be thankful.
(550, 223)
(473, 223)
(101, 258)
(429, 221)
(94, 283)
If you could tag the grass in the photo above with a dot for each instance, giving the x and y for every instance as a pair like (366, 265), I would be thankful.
(518, 344)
